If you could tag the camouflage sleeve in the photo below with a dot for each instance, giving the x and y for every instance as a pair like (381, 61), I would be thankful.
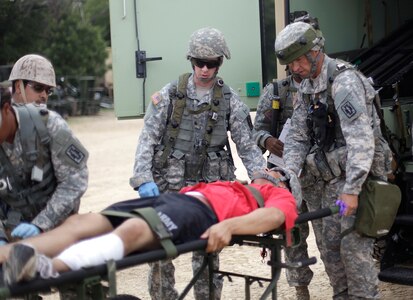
(69, 159)
(297, 143)
(151, 135)
(349, 98)
(241, 134)
(262, 122)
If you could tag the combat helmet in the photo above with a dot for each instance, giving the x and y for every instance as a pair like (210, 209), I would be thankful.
(34, 67)
(295, 40)
(207, 43)
(286, 176)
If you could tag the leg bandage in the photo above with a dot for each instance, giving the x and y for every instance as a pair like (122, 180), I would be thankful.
(93, 252)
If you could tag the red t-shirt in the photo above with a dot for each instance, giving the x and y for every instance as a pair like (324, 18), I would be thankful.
(232, 199)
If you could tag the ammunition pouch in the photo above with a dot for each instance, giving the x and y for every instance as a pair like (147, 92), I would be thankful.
(327, 165)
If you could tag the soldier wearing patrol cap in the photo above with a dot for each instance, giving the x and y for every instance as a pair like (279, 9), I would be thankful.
(33, 79)
(184, 141)
(334, 134)
(43, 170)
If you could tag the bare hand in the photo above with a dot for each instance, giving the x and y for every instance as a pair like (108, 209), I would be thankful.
(351, 202)
(218, 236)
(275, 146)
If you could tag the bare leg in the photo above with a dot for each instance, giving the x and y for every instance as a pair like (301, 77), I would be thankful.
(75, 228)
(134, 233)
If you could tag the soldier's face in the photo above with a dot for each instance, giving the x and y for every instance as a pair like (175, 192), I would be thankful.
(205, 70)
(301, 66)
(34, 91)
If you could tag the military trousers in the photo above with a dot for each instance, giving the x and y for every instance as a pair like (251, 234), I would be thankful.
(348, 259)
(161, 279)
(311, 202)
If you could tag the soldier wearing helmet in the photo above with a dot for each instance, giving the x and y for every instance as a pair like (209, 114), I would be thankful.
(268, 125)
(332, 139)
(184, 141)
(33, 79)
(43, 173)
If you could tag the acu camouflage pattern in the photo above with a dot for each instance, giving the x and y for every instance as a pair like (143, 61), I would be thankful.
(208, 43)
(161, 275)
(311, 189)
(347, 260)
(287, 91)
(71, 175)
(155, 127)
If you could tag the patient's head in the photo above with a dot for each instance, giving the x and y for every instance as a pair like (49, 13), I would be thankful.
(279, 177)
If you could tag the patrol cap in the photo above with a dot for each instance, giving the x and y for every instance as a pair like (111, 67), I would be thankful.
(34, 67)
(295, 40)
(207, 43)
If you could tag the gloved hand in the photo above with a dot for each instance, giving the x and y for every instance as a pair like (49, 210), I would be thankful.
(3, 242)
(148, 189)
(25, 230)
(342, 206)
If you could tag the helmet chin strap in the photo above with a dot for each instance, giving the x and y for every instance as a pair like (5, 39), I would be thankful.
(313, 62)
(23, 91)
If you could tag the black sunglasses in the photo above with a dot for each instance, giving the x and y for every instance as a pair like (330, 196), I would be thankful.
(200, 63)
(39, 88)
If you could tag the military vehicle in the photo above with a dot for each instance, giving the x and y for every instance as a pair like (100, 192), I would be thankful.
(390, 64)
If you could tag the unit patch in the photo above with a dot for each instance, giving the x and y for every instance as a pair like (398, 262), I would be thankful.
(348, 109)
(75, 154)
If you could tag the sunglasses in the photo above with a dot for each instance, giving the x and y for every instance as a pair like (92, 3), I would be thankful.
(39, 88)
(210, 64)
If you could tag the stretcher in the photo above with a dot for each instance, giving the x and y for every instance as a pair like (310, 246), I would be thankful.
(99, 282)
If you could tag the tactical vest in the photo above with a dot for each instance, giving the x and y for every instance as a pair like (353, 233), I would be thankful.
(179, 150)
(326, 132)
(28, 194)
(327, 151)
(283, 89)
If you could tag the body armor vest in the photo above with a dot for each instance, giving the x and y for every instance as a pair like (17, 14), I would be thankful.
(27, 194)
(179, 141)
(283, 89)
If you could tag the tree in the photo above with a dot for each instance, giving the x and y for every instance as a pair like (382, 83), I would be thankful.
(61, 30)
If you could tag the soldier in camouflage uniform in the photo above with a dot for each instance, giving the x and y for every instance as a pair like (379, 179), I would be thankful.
(33, 79)
(43, 170)
(264, 127)
(184, 141)
(335, 132)
(287, 92)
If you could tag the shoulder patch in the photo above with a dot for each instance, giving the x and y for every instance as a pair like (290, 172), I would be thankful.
(75, 154)
(348, 109)
(156, 98)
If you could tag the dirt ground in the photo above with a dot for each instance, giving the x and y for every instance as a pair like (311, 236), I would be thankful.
(111, 144)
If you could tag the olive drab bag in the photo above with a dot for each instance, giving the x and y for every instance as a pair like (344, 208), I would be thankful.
(377, 207)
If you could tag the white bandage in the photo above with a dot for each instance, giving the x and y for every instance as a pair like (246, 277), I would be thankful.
(93, 252)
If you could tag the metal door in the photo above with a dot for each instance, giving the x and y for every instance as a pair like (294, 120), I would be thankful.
(150, 40)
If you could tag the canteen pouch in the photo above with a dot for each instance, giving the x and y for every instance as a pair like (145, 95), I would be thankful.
(378, 204)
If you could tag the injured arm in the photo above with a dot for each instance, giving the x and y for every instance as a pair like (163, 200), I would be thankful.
(259, 221)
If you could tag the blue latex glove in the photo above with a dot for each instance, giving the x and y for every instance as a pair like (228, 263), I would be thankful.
(25, 230)
(342, 206)
(148, 189)
(3, 242)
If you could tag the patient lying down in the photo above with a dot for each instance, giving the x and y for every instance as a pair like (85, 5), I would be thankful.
(214, 211)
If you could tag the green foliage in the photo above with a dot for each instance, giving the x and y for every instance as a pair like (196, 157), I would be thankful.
(73, 34)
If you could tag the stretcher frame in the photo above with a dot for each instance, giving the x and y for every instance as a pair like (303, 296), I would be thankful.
(99, 282)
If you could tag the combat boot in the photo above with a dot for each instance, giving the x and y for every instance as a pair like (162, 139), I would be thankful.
(302, 292)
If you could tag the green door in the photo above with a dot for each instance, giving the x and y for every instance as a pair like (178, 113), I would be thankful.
(158, 31)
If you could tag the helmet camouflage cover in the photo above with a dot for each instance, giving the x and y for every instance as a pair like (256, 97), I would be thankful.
(295, 40)
(34, 67)
(208, 43)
